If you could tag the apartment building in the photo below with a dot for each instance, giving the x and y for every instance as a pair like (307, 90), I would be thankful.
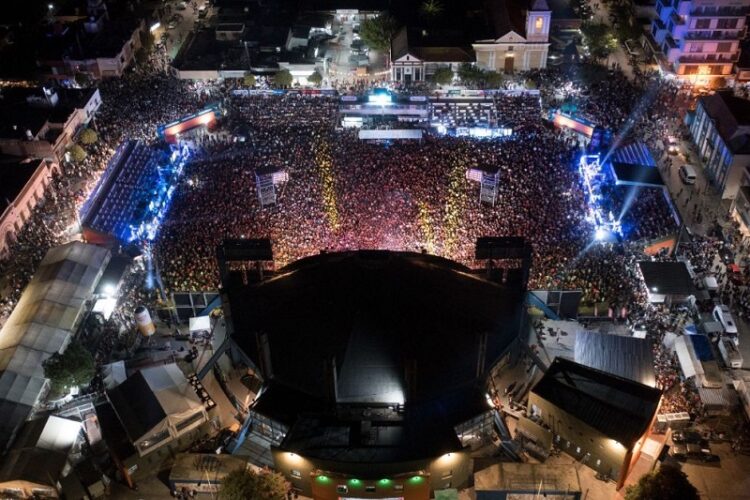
(720, 129)
(699, 40)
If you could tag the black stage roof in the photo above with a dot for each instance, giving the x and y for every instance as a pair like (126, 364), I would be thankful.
(667, 278)
(400, 327)
(619, 408)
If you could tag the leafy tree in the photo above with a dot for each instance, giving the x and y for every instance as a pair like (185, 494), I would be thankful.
(492, 79)
(377, 32)
(431, 8)
(141, 56)
(283, 79)
(72, 368)
(77, 153)
(88, 136)
(599, 38)
(470, 74)
(249, 485)
(443, 76)
(666, 483)
(249, 80)
(315, 78)
(147, 40)
(82, 79)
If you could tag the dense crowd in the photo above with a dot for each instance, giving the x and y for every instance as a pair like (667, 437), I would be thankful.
(344, 193)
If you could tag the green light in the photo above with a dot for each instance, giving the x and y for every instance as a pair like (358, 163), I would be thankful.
(355, 482)
(416, 479)
(384, 482)
(323, 479)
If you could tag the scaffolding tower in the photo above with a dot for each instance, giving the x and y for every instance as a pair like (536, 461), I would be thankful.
(488, 190)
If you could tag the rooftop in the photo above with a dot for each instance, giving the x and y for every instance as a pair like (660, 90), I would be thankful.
(13, 178)
(396, 327)
(667, 278)
(619, 408)
(627, 357)
(731, 115)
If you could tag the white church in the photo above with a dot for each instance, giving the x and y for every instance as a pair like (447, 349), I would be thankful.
(521, 38)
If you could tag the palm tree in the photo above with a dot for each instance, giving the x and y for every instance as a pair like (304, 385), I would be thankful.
(431, 8)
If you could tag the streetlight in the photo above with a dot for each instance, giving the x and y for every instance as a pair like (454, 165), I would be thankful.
(50, 6)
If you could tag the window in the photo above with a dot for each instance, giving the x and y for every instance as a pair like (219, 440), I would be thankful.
(510, 48)
(724, 47)
(702, 24)
(295, 473)
(695, 48)
(398, 487)
(727, 24)
(341, 488)
(539, 23)
(370, 488)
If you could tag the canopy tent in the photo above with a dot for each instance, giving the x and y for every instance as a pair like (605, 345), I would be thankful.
(155, 405)
(43, 322)
(689, 365)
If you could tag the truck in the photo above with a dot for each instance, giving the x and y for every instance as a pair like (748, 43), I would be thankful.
(729, 353)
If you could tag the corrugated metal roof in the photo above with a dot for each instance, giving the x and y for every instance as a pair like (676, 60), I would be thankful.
(619, 408)
(627, 357)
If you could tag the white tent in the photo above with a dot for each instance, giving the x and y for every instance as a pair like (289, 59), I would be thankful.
(43, 321)
(690, 366)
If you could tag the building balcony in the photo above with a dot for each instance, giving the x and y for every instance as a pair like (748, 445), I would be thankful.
(715, 34)
(722, 12)
(676, 19)
(709, 58)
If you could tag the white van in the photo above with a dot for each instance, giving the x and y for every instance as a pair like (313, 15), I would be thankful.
(687, 174)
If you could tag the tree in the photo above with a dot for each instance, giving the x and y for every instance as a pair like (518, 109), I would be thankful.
(443, 76)
(283, 79)
(600, 39)
(492, 79)
(141, 56)
(470, 74)
(315, 78)
(147, 40)
(88, 136)
(377, 32)
(244, 484)
(666, 483)
(70, 369)
(431, 8)
(77, 153)
(82, 79)
(249, 80)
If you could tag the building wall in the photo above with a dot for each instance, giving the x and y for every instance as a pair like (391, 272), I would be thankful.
(579, 439)
(524, 56)
(723, 169)
(324, 480)
(15, 215)
(700, 38)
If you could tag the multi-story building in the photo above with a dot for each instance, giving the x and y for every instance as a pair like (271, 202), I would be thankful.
(721, 131)
(42, 122)
(22, 186)
(700, 39)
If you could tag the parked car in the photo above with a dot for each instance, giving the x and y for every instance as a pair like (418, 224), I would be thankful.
(723, 315)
